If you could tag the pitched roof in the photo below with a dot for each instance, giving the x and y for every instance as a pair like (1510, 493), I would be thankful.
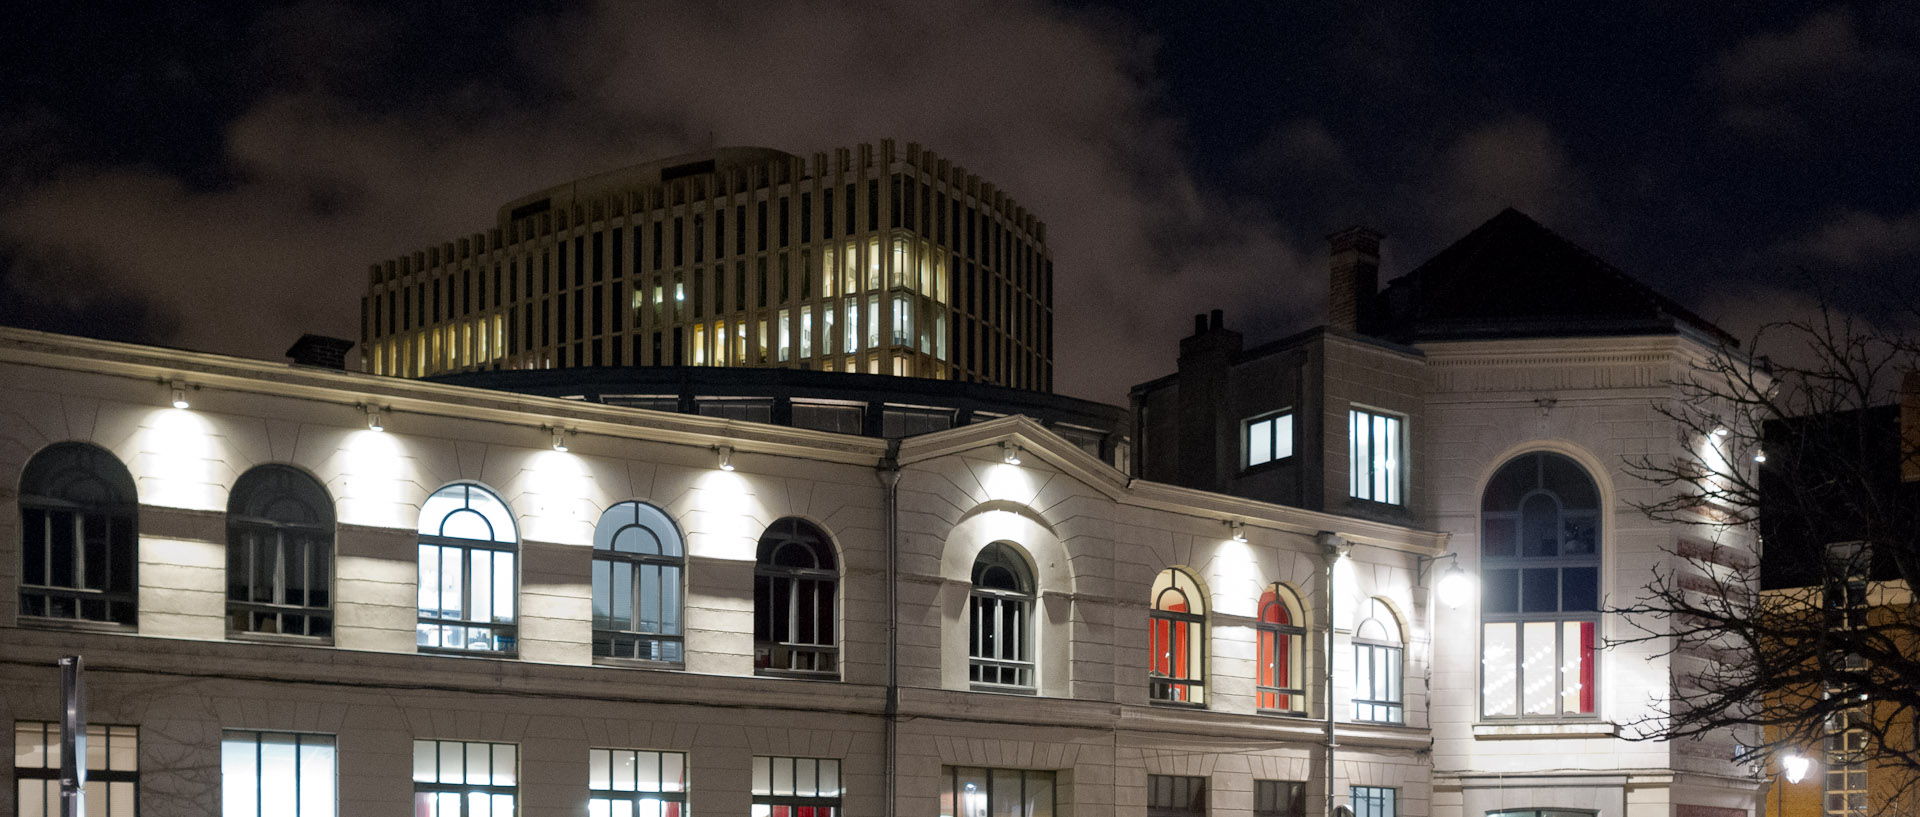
(1513, 277)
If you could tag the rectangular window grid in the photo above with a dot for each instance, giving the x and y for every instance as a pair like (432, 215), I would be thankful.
(796, 787)
(453, 778)
(466, 598)
(1375, 801)
(277, 774)
(1173, 796)
(113, 769)
(1267, 439)
(1279, 798)
(1375, 445)
(636, 783)
(975, 792)
(1376, 683)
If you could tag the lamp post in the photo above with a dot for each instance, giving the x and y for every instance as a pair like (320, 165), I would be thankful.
(1793, 767)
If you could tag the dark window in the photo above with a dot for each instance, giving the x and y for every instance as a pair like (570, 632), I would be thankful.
(795, 609)
(1000, 639)
(436, 300)
(893, 203)
(739, 285)
(1540, 588)
(1279, 798)
(78, 516)
(679, 242)
(1170, 796)
(873, 205)
(699, 238)
(658, 242)
(599, 310)
(826, 213)
(740, 230)
(785, 222)
(806, 217)
(719, 233)
(760, 226)
(966, 791)
(637, 563)
(599, 247)
(279, 553)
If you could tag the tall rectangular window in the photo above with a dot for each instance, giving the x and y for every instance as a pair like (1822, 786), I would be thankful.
(453, 778)
(636, 783)
(277, 774)
(1279, 798)
(1376, 444)
(796, 787)
(974, 792)
(1375, 801)
(1267, 439)
(113, 769)
(1172, 796)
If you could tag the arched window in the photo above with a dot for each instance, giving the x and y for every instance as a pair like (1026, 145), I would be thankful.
(468, 580)
(794, 601)
(279, 554)
(1177, 640)
(1000, 648)
(637, 562)
(1378, 666)
(1540, 574)
(1281, 638)
(79, 544)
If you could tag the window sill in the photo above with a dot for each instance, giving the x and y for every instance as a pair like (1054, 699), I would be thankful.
(1545, 729)
(1283, 713)
(42, 623)
(456, 653)
(796, 675)
(637, 663)
(280, 638)
(1177, 704)
(1002, 690)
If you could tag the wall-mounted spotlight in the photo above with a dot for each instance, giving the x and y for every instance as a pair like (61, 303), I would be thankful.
(723, 457)
(1010, 452)
(180, 394)
(1720, 431)
(560, 439)
(376, 421)
(1237, 530)
(1759, 456)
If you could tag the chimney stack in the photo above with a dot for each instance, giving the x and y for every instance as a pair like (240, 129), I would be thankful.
(320, 351)
(1354, 256)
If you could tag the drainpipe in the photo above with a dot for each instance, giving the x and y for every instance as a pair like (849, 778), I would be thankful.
(1336, 547)
(888, 472)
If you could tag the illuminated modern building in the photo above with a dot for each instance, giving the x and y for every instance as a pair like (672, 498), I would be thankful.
(869, 259)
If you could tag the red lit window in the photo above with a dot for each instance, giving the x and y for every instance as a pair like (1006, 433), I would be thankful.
(1177, 639)
(1281, 637)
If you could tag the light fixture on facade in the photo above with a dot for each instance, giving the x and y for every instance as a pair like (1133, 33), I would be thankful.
(1759, 456)
(375, 420)
(560, 440)
(1010, 453)
(1795, 767)
(1720, 431)
(1455, 586)
(180, 394)
(1238, 530)
(723, 457)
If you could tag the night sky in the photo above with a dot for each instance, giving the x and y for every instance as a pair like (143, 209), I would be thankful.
(218, 176)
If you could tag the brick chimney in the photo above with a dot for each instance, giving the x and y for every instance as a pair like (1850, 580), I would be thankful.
(321, 351)
(1354, 256)
(1206, 436)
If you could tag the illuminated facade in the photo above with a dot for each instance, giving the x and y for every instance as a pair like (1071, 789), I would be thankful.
(1494, 395)
(869, 259)
(362, 592)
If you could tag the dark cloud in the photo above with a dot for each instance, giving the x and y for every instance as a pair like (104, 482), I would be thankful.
(1857, 237)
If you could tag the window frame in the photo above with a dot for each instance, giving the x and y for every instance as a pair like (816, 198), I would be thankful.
(1173, 785)
(950, 806)
(980, 601)
(635, 795)
(1167, 688)
(773, 799)
(1365, 488)
(1379, 801)
(63, 466)
(48, 773)
(815, 581)
(504, 635)
(285, 483)
(1277, 640)
(1386, 697)
(1519, 622)
(1268, 796)
(671, 645)
(257, 738)
(461, 789)
(1274, 439)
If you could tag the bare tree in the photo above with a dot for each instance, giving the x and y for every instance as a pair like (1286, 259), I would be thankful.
(1805, 450)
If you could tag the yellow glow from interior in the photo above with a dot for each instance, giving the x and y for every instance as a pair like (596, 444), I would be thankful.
(726, 517)
(557, 499)
(178, 465)
(372, 487)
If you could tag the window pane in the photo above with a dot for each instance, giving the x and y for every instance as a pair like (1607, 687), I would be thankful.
(1541, 591)
(1537, 667)
(1580, 589)
(239, 778)
(1576, 666)
(1259, 442)
(1499, 666)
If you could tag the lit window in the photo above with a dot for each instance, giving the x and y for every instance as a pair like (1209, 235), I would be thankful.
(1177, 639)
(77, 519)
(975, 792)
(1267, 439)
(1281, 638)
(453, 778)
(796, 787)
(1376, 444)
(1000, 652)
(276, 773)
(1171, 796)
(1540, 584)
(113, 769)
(636, 783)
(279, 554)
(1375, 801)
(1377, 666)
(794, 610)
(637, 561)
(1279, 798)
(467, 578)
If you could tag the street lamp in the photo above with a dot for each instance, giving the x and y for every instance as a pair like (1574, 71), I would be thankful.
(1794, 767)
(1455, 586)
